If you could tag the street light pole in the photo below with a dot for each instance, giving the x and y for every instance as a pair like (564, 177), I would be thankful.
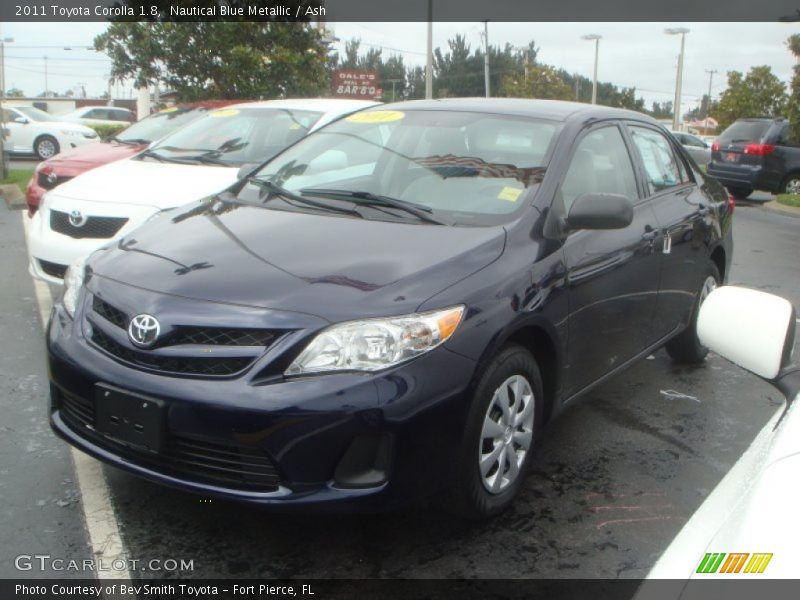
(486, 57)
(429, 55)
(708, 101)
(596, 38)
(676, 117)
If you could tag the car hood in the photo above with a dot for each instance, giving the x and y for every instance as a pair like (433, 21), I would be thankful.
(91, 156)
(68, 126)
(147, 183)
(338, 268)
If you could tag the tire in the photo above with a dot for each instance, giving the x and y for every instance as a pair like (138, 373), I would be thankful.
(686, 347)
(471, 497)
(740, 193)
(791, 185)
(45, 147)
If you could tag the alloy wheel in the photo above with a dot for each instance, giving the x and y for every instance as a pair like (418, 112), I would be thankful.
(793, 186)
(46, 149)
(709, 285)
(507, 434)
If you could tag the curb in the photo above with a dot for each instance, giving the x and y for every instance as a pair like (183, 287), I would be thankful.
(12, 194)
(776, 207)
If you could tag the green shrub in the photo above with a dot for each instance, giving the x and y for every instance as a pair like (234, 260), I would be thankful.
(789, 199)
(107, 131)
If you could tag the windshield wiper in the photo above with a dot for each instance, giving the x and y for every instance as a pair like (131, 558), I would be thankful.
(423, 213)
(132, 142)
(161, 158)
(276, 190)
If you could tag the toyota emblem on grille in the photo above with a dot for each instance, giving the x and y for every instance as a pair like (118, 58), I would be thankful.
(76, 219)
(143, 330)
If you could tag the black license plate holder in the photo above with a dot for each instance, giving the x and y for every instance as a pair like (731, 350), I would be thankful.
(130, 419)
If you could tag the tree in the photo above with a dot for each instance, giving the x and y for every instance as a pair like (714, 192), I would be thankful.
(219, 59)
(15, 92)
(759, 94)
(793, 43)
(538, 81)
(661, 110)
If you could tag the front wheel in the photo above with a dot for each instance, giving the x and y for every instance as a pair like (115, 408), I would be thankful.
(504, 420)
(686, 346)
(45, 147)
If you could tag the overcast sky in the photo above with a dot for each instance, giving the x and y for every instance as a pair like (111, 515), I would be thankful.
(631, 54)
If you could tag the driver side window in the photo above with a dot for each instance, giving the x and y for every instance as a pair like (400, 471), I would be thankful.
(600, 164)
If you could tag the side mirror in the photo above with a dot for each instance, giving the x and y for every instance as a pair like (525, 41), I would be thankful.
(246, 170)
(600, 211)
(21, 120)
(753, 329)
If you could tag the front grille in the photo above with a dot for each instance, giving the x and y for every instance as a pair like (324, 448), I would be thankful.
(216, 336)
(243, 467)
(212, 366)
(45, 182)
(53, 269)
(110, 313)
(94, 227)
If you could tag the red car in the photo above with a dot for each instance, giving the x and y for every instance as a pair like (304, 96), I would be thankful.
(132, 140)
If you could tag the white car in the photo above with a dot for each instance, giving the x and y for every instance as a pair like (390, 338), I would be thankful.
(200, 159)
(33, 131)
(747, 528)
(100, 115)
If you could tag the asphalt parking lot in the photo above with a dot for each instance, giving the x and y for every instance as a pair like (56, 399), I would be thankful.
(616, 477)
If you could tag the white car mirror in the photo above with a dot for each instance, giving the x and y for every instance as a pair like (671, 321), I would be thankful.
(753, 329)
(21, 120)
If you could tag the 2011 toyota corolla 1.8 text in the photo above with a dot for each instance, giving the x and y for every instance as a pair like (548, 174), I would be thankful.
(391, 308)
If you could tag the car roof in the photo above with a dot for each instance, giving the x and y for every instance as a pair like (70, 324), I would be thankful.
(324, 105)
(556, 110)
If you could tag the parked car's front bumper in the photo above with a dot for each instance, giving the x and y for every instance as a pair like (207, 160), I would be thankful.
(318, 432)
(50, 252)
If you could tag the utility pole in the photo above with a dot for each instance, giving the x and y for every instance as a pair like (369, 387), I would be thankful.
(429, 53)
(3, 165)
(708, 100)
(676, 117)
(486, 57)
(46, 87)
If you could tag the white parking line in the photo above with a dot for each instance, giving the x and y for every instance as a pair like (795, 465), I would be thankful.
(98, 511)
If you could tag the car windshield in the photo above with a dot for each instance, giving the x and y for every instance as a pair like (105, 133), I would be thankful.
(160, 124)
(466, 168)
(34, 114)
(235, 136)
(744, 131)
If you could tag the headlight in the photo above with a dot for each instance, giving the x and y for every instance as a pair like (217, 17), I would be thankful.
(90, 135)
(374, 344)
(73, 282)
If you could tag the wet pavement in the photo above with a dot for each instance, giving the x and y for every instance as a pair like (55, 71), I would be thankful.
(616, 476)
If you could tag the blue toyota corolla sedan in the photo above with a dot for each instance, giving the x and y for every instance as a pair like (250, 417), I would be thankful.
(393, 307)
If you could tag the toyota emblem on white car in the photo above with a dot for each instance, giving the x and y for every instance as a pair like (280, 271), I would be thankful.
(76, 219)
(143, 330)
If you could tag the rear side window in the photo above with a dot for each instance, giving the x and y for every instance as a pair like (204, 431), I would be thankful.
(601, 163)
(663, 168)
(744, 131)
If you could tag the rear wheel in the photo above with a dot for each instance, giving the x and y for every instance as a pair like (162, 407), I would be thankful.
(686, 346)
(740, 193)
(504, 421)
(791, 185)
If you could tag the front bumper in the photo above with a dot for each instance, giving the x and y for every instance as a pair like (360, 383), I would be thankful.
(341, 441)
(50, 252)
